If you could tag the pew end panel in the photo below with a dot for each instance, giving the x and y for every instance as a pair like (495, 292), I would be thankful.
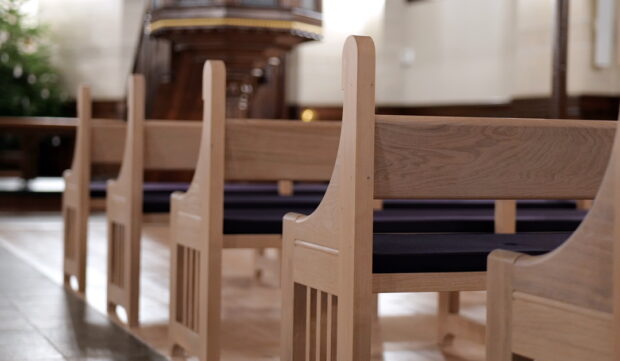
(76, 197)
(234, 150)
(124, 213)
(196, 233)
(150, 145)
(98, 141)
(326, 274)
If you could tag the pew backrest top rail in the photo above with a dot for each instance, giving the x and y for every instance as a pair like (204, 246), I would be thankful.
(256, 149)
(265, 150)
(490, 158)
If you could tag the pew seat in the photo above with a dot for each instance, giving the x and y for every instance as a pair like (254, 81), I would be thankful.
(452, 252)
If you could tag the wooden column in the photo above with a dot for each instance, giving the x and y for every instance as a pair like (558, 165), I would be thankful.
(560, 62)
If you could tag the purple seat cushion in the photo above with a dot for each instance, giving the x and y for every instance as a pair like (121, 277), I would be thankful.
(465, 252)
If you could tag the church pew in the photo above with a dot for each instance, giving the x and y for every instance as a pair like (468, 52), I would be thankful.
(562, 305)
(97, 142)
(101, 142)
(201, 227)
(152, 145)
(333, 263)
(173, 145)
(231, 150)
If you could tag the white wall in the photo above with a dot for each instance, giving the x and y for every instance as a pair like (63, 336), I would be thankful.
(94, 42)
(314, 68)
(474, 51)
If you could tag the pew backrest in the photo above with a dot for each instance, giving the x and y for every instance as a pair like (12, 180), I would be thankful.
(489, 158)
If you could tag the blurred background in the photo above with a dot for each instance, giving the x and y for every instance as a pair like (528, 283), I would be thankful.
(530, 58)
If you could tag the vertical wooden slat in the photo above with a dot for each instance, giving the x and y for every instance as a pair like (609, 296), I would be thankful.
(334, 327)
(313, 324)
(190, 293)
(179, 283)
(308, 314)
(186, 285)
(318, 325)
(114, 255)
(324, 326)
(192, 289)
(124, 253)
(196, 289)
(328, 328)
(190, 283)
(300, 321)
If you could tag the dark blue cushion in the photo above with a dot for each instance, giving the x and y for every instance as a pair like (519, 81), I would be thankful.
(269, 220)
(466, 252)
(471, 203)
(473, 220)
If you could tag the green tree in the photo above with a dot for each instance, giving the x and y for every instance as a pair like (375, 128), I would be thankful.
(29, 84)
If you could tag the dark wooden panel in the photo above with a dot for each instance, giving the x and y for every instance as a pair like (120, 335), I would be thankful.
(582, 107)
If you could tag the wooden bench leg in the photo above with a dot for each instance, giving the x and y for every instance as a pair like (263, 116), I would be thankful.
(266, 267)
(448, 305)
(377, 341)
(258, 271)
(584, 204)
(499, 306)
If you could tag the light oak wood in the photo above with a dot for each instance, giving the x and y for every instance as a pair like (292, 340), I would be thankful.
(544, 329)
(584, 204)
(428, 282)
(385, 156)
(196, 225)
(344, 231)
(76, 198)
(410, 165)
(506, 216)
(237, 150)
(562, 305)
(124, 213)
(285, 188)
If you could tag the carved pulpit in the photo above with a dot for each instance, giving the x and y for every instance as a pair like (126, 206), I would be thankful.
(251, 36)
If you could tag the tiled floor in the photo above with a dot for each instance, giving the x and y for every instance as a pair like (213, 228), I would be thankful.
(40, 321)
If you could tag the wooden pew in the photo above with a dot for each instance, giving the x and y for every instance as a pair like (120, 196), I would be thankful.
(97, 142)
(151, 145)
(174, 145)
(562, 305)
(333, 263)
(231, 150)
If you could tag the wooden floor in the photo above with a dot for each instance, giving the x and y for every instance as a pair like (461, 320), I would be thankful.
(250, 310)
